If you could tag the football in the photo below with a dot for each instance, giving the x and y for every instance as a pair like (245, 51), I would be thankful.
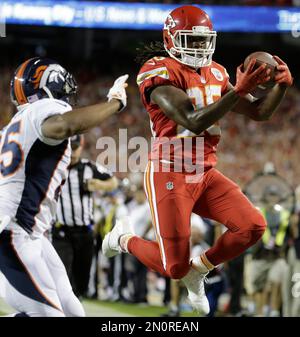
(263, 57)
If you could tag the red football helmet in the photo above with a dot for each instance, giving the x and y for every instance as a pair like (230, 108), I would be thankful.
(189, 36)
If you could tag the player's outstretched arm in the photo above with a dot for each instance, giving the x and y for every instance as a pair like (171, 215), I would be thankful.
(176, 104)
(81, 120)
(263, 108)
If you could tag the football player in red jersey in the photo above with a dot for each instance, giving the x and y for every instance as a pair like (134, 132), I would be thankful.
(182, 88)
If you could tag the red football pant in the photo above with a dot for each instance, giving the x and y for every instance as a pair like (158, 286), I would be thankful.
(172, 200)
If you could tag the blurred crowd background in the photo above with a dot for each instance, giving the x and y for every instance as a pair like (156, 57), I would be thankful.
(256, 284)
(245, 147)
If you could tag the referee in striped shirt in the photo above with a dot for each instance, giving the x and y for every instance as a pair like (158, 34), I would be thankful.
(72, 234)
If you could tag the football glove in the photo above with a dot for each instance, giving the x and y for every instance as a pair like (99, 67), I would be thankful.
(117, 91)
(283, 73)
(249, 79)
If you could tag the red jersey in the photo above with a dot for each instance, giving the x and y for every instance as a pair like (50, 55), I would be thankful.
(204, 87)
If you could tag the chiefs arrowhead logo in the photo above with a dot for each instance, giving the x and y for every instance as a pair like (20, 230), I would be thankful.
(170, 22)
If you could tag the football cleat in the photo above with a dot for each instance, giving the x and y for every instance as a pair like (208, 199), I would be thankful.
(194, 282)
(39, 78)
(111, 243)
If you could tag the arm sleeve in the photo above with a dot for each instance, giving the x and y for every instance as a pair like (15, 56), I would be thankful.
(43, 110)
(152, 75)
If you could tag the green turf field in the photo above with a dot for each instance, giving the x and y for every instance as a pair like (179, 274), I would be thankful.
(111, 309)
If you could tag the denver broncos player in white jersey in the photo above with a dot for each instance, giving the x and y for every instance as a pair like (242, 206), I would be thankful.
(34, 157)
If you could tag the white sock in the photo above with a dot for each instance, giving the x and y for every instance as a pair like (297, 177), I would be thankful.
(124, 239)
(198, 264)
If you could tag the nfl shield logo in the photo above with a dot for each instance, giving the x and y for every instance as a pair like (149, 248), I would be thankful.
(169, 185)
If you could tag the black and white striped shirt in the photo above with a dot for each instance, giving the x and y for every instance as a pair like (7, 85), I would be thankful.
(75, 203)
